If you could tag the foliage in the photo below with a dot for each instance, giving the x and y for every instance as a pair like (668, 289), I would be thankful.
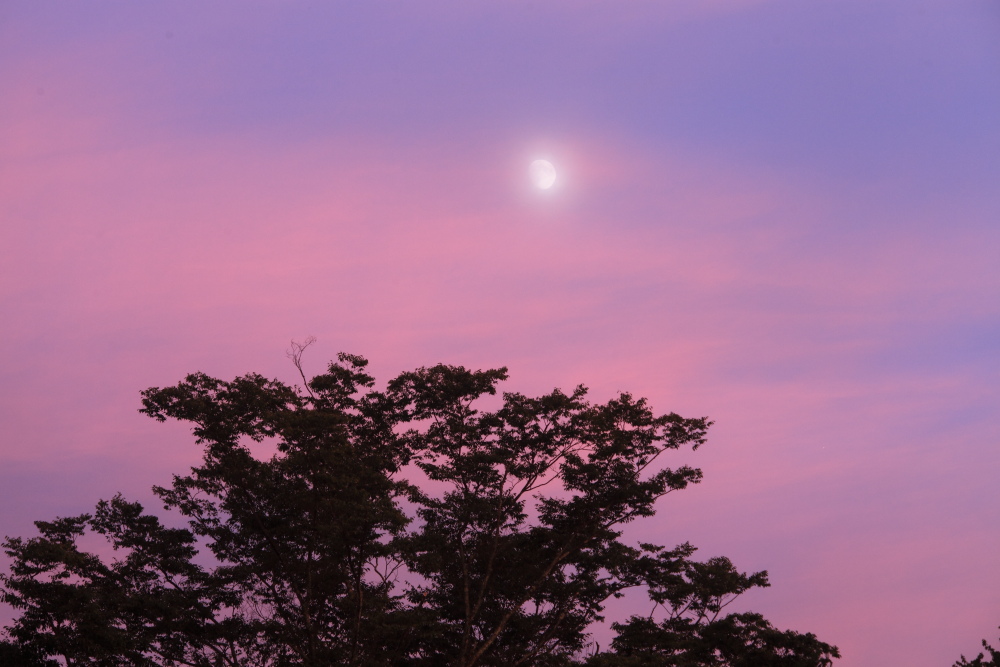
(979, 661)
(397, 527)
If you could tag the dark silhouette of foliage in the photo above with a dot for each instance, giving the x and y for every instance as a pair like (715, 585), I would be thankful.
(15, 655)
(979, 661)
(400, 527)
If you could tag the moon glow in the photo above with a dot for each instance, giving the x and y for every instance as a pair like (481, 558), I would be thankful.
(543, 174)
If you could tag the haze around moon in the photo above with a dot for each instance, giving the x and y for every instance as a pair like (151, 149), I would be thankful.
(543, 174)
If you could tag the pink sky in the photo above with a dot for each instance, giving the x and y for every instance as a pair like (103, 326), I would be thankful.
(782, 215)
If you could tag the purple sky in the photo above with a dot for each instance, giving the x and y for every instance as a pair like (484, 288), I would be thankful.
(784, 215)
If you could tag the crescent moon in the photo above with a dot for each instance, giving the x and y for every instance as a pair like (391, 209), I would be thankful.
(543, 174)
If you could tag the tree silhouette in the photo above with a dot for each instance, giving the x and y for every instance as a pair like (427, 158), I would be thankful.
(405, 527)
(979, 661)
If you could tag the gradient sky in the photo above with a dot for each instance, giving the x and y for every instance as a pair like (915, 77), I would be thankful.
(782, 214)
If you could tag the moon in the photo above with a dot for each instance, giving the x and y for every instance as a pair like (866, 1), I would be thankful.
(543, 174)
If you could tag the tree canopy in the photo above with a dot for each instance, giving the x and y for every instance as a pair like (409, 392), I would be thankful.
(405, 526)
(982, 660)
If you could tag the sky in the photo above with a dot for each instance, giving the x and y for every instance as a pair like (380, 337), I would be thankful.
(780, 214)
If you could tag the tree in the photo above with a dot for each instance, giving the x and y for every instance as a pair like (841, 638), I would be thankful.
(403, 526)
(13, 655)
(978, 661)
